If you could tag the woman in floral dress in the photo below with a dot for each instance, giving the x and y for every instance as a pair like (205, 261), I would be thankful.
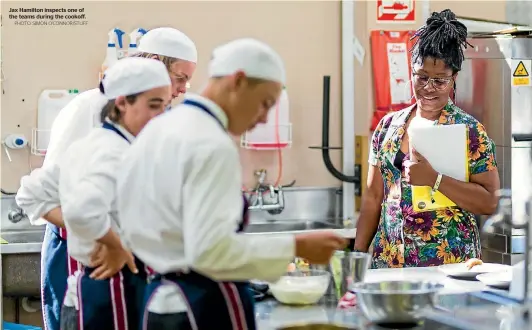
(403, 237)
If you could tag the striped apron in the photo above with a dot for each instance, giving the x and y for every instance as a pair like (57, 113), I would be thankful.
(111, 304)
(56, 266)
(193, 301)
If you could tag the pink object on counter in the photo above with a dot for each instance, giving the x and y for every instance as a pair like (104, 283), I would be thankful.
(349, 300)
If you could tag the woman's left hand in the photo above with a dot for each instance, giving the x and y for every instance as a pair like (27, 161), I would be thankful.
(420, 172)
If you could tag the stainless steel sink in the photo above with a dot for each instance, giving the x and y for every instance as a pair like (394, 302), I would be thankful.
(288, 226)
(23, 236)
(21, 262)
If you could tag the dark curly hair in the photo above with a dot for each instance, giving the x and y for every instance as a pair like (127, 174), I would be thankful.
(444, 38)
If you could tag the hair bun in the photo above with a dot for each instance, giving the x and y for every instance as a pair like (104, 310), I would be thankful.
(444, 17)
(442, 37)
(448, 15)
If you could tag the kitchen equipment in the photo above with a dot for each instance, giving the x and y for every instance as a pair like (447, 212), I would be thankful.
(461, 271)
(50, 103)
(395, 301)
(134, 38)
(111, 53)
(276, 133)
(499, 280)
(257, 295)
(301, 287)
(348, 268)
(505, 110)
(259, 286)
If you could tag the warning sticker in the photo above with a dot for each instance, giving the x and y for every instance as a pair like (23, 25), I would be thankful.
(521, 72)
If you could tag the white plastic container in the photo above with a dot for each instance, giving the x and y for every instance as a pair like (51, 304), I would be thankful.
(49, 105)
(276, 133)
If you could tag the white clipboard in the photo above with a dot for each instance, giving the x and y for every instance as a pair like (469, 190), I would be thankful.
(446, 148)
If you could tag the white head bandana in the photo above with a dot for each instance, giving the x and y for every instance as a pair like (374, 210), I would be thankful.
(255, 58)
(134, 75)
(169, 42)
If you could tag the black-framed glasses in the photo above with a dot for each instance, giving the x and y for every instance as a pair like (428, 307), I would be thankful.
(438, 83)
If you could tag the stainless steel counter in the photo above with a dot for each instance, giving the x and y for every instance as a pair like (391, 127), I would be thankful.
(21, 259)
(461, 305)
(271, 315)
(21, 242)
(452, 312)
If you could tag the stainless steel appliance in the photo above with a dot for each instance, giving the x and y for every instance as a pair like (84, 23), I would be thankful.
(485, 89)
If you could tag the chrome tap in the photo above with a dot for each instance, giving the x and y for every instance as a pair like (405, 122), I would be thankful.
(16, 214)
(275, 205)
(503, 220)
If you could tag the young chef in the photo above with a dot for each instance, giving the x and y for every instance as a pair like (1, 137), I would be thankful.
(138, 89)
(38, 191)
(179, 188)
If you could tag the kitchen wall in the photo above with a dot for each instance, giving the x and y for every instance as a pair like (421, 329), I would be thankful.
(476, 9)
(307, 34)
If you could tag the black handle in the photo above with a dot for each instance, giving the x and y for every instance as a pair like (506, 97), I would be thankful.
(522, 137)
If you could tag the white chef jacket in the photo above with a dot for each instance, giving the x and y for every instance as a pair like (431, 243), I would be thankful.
(87, 188)
(38, 192)
(180, 201)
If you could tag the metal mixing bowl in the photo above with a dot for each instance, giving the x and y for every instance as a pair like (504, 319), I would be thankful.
(395, 301)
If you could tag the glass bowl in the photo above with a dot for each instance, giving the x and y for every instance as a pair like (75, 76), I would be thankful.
(301, 287)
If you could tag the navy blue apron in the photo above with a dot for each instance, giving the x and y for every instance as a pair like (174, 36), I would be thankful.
(112, 304)
(210, 304)
(56, 266)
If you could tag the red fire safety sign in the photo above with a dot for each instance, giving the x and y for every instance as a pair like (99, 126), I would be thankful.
(392, 73)
(398, 11)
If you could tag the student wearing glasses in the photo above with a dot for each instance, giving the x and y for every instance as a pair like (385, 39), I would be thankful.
(404, 238)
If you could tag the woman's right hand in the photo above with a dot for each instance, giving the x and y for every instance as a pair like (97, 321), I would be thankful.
(111, 260)
(318, 247)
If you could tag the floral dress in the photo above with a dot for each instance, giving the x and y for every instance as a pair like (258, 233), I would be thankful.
(408, 239)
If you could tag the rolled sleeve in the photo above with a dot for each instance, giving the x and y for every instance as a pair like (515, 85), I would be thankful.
(39, 192)
(481, 150)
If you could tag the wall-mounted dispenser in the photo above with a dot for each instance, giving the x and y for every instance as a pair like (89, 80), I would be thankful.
(13, 142)
(276, 133)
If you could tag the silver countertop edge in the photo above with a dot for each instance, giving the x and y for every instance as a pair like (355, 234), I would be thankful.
(348, 233)
(20, 248)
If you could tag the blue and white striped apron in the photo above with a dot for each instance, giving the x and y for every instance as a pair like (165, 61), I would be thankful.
(56, 266)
